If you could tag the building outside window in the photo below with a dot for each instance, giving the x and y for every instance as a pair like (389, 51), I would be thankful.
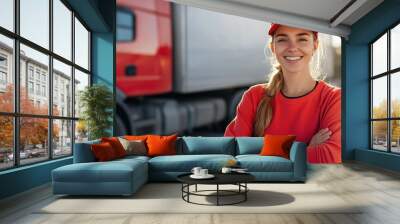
(37, 75)
(3, 61)
(3, 78)
(43, 78)
(30, 87)
(30, 72)
(3, 72)
(38, 89)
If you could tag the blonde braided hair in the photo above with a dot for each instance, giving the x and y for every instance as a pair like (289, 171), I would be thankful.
(264, 111)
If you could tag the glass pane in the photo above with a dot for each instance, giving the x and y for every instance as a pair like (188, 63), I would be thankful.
(34, 97)
(6, 142)
(395, 136)
(6, 74)
(379, 97)
(81, 45)
(62, 89)
(395, 94)
(33, 139)
(7, 14)
(62, 138)
(395, 47)
(124, 18)
(35, 21)
(81, 131)
(81, 81)
(124, 34)
(62, 29)
(379, 135)
(379, 55)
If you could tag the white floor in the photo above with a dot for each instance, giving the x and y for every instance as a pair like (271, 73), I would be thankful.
(377, 189)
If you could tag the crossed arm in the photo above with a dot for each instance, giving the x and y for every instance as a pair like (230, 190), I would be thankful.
(325, 145)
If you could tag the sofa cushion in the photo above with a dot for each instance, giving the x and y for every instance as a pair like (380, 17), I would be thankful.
(257, 163)
(249, 145)
(132, 158)
(111, 171)
(185, 163)
(206, 145)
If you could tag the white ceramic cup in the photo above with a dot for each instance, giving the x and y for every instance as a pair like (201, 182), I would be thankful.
(226, 170)
(203, 172)
(196, 170)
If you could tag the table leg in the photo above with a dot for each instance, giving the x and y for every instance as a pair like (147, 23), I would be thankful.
(217, 194)
(196, 188)
(245, 193)
(188, 189)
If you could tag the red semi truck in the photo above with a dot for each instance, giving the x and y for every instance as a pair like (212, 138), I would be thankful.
(179, 68)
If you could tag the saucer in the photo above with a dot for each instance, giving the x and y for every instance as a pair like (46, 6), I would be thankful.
(208, 176)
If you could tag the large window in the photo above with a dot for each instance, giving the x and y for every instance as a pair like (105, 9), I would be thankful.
(44, 64)
(385, 93)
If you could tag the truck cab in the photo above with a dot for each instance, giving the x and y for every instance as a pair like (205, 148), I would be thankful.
(180, 68)
(144, 47)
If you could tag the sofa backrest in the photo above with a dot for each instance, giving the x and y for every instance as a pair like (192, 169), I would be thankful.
(191, 146)
(83, 152)
(206, 145)
(249, 145)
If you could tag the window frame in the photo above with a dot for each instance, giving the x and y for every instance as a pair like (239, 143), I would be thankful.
(16, 115)
(388, 74)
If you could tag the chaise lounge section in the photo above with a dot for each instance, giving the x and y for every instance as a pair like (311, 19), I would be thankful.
(125, 176)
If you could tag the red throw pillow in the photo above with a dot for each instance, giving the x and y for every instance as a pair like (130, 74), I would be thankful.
(103, 152)
(161, 145)
(116, 145)
(277, 145)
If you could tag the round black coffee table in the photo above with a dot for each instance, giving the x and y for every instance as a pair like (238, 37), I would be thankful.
(238, 179)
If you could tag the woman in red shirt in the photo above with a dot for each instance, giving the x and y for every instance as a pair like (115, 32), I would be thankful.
(293, 102)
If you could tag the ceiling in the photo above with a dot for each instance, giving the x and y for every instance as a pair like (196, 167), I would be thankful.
(327, 16)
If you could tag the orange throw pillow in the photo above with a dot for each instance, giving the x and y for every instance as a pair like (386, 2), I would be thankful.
(277, 145)
(135, 137)
(116, 145)
(161, 145)
(103, 152)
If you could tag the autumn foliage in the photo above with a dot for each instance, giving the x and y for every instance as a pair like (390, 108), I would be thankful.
(380, 127)
(33, 131)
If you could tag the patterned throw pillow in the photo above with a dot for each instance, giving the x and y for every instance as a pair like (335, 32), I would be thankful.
(133, 147)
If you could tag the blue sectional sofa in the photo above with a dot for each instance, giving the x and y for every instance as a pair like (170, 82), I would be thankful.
(125, 176)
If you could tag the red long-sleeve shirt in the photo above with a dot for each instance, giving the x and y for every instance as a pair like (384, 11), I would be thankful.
(301, 116)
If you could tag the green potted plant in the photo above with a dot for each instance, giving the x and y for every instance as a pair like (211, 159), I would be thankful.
(96, 102)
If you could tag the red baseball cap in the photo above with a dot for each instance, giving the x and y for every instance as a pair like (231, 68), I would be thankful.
(275, 26)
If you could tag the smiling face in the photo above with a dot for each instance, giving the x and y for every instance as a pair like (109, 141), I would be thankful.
(293, 48)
